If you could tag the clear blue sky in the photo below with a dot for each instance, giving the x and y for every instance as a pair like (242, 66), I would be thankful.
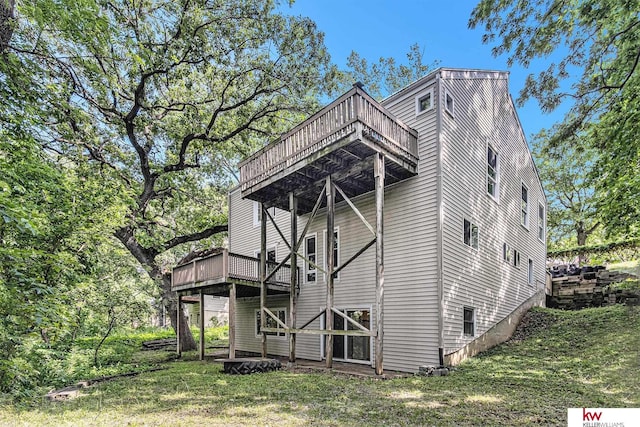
(378, 28)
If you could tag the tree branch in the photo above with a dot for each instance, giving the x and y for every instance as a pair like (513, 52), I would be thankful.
(194, 237)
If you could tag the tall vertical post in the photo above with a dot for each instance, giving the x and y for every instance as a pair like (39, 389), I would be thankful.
(201, 325)
(379, 172)
(330, 193)
(293, 295)
(263, 276)
(232, 321)
(178, 326)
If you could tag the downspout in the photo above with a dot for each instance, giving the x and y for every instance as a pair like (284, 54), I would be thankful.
(439, 205)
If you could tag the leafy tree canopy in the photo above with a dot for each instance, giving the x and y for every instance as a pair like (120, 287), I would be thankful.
(157, 101)
(386, 76)
(599, 45)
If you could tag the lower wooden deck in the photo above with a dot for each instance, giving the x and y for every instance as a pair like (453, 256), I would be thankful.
(217, 274)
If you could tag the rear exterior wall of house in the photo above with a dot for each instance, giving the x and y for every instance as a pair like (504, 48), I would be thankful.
(476, 280)
(493, 206)
(410, 299)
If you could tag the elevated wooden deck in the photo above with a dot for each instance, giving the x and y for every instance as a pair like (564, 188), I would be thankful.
(340, 140)
(215, 274)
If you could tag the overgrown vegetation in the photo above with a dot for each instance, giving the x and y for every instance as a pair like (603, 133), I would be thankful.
(38, 369)
(583, 358)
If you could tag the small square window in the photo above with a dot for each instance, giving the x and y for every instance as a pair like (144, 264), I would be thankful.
(424, 102)
(469, 321)
(448, 103)
(470, 231)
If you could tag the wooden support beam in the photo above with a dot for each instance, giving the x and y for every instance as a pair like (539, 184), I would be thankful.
(178, 337)
(330, 194)
(201, 324)
(277, 320)
(356, 255)
(275, 270)
(379, 195)
(310, 220)
(350, 320)
(263, 278)
(232, 321)
(293, 294)
(323, 311)
(273, 222)
(356, 211)
(341, 332)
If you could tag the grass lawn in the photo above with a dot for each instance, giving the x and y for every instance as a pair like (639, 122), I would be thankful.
(588, 358)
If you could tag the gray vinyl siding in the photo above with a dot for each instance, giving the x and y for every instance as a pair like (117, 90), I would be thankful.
(484, 113)
(246, 337)
(410, 302)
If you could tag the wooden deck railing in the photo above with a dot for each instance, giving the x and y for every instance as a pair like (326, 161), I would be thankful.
(228, 266)
(335, 121)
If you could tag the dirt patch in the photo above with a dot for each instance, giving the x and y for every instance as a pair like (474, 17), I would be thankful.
(533, 322)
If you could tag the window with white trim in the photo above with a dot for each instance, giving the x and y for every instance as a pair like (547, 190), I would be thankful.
(524, 206)
(424, 102)
(470, 234)
(336, 250)
(257, 213)
(516, 258)
(448, 103)
(493, 177)
(310, 252)
(270, 322)
(541, 222)
(506, 252)
(469, 321)
(530, 272)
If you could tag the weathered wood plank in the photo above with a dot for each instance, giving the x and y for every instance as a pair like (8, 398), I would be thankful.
(379, 194)
(263, 276)
(330, 195)
(201, 324)
(232, 321)
(293, 295)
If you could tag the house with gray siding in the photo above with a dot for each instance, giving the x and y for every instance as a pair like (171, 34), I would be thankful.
(438, 219)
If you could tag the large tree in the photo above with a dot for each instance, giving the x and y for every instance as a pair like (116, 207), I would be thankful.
(598, 46)
(566, 173)
(6, 22)
(161, 99)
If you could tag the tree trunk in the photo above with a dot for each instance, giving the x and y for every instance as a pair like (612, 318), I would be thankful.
(147, 258)
(6, 23)
(170, 301)
(581, 237)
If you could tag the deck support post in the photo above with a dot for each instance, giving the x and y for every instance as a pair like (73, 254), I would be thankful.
(379, 172)
(178, 346)
(232, 321)
(201, 324)
(293, 290)
(330, 194)
(263, 276)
